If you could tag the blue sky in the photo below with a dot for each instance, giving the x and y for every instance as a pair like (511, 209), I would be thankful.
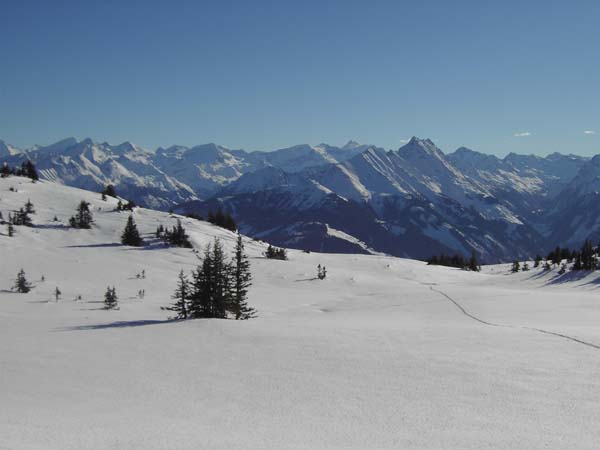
(493, 76)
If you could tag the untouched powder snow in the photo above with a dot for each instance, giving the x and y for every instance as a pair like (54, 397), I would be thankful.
(385, 353)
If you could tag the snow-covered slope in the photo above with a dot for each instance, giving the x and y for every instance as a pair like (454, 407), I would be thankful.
(384, 353)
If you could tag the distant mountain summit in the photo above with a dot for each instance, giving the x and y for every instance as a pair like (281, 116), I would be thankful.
(414, 201)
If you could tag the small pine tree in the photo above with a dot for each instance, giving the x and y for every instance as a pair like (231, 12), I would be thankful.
(5, 170)
(276, 253)
(241, 281)
(525, 267)
(110, 298)
(515, 267)
(109, 190)
(537, 261)
(10, 229)
(83, 218)
(28, 170)
(563, 269)
(21, 284)
(57, 293)
(181, 297)
(131, 235)
(29, 207)
(473, 263)
(21, 217)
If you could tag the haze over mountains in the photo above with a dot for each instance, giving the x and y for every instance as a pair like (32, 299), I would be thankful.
(415, 201)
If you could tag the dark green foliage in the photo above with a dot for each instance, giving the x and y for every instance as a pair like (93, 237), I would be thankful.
(29, 207)
(456, 260)
(177, 236)
(5, 170)
(276, 253)
(537, 261)
(83, 218)
(577, 264)
(129, 206)
(181, 297)
(11, 229)
(28, 170)
(222, 220)
(160, 230)
(21, 217)
(57, 293)
(586, 258)
(473, 263)
(110, 298)
(218, 288)
(21, 284)
(515, 267)
(131, 235)
(192, 215)
(525, 267)
(241, 281)
(211, 287)
(109, 190)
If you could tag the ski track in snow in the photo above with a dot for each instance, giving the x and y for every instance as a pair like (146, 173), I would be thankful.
(491, 324)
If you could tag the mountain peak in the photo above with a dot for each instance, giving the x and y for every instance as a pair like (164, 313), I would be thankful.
(419, 146)
(350, 145)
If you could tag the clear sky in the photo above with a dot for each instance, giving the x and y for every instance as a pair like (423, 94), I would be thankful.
(495, 76)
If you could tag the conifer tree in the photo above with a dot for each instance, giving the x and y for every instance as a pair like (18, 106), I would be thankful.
(525, 266)
(21, 284)
(221, 281)
(28, 170)
(29, 207)
(5, 170)
(241, 281)
(276, 253)
(515, 267)
(21, 217)
(473, 264)
(181, 297)
(83, 218)
(131, 235)
(201, 295)
(110, 298)
(537, 261)
(211, 287)
(57, 293)
(177, 236)
(11, 229)
(109, 190)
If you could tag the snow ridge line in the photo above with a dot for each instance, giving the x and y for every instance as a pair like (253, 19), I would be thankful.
(539, 330)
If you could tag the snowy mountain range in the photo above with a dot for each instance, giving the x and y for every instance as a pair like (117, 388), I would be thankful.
(414, 201)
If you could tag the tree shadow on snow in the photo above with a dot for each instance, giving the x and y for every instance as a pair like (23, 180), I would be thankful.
(118, 324)
(306, 279)
(111, 244)
(568, 277)
(58, 226)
